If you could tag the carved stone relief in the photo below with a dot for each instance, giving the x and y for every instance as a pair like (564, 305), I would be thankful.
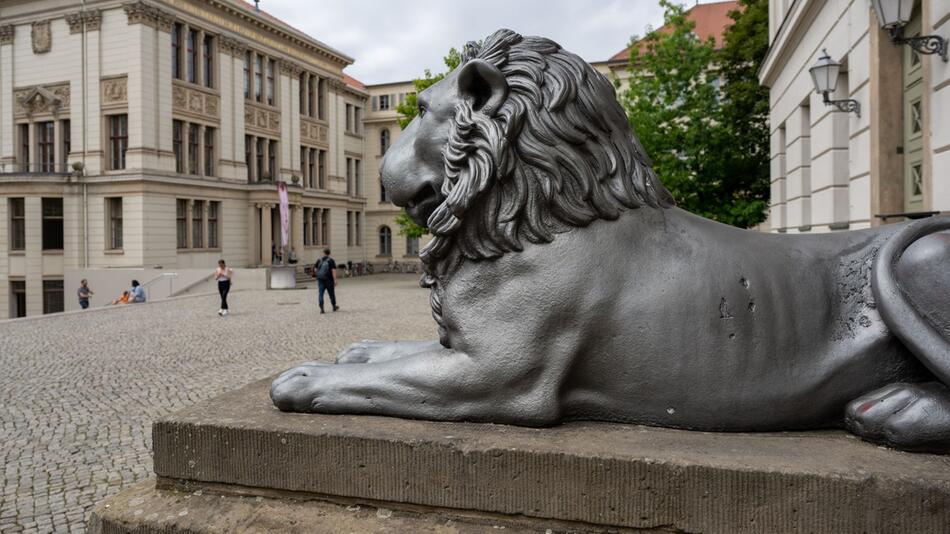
(191, 101)
(141, 13)
(42, 37)
(313, 132)
(37, 100)
(115, 92)
(92, 18)
(6, 34)
(260, 118)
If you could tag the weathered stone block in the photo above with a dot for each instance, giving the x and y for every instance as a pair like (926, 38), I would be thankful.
(593, 473)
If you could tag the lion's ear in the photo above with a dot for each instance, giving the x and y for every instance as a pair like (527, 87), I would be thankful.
(484, 84)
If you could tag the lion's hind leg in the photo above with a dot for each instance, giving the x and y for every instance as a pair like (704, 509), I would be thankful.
(911, 284)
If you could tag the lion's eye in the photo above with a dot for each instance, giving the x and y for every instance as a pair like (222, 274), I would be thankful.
(422, 109)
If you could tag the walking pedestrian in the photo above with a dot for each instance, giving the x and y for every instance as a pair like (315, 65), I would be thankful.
(325, 270)
(223, 275)
(83, 293)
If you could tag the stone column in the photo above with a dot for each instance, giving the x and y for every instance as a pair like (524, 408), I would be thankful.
(253, 232)
(887, 171)
(829, 166)
(777, 215)
(34, 255)
(296, 228)
(798, 174)
(7, 133)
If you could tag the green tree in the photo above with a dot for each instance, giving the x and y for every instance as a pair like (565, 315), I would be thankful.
(689, 127)
(407, 111)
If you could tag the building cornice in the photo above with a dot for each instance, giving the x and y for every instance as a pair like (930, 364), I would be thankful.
(796, 22)
(140, 12)
(92, 20)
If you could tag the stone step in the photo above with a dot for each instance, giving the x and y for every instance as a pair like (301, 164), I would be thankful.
(594, 473)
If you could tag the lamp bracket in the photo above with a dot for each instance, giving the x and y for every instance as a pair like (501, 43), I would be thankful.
(923, 44)
(847, 106)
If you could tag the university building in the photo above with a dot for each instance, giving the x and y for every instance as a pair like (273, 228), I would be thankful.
(876, 148)
(151, 134)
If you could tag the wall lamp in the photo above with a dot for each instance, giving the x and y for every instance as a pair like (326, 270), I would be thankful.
(894, 15)
(825, 75)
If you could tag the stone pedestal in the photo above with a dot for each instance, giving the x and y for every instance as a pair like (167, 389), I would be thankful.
(235, 458)
(283, 277)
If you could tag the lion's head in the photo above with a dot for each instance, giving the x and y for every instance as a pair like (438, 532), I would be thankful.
(522, 141)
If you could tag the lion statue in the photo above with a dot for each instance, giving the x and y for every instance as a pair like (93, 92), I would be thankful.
(566, 285)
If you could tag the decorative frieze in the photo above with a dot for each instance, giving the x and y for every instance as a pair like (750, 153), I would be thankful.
(42, 37)
(261, 119)
(290, 68)
(139, 12)
(115, 92)
(40, 99)
(231, 46)
(6, 34)
(91, 18)
(313, 132)
(191, 101)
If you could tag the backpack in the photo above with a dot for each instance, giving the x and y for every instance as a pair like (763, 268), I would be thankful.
(322, 267)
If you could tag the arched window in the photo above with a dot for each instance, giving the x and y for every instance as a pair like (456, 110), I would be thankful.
(385, 241)
(412, 246)
(383, 141)
(383, 195)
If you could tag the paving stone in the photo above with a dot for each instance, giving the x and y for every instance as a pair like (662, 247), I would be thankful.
(79, 391)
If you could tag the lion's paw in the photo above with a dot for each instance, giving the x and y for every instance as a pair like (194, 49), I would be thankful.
(296, 389)
(362, 352)
(913, 417)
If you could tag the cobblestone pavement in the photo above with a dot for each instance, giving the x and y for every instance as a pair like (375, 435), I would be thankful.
(79, 391)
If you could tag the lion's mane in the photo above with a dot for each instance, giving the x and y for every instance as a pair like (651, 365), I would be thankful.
(558, 154)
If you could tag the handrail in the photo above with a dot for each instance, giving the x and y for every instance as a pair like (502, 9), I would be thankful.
(190, 286)
(157, 278)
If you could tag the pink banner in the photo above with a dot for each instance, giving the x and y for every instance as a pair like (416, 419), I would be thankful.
(284, 213)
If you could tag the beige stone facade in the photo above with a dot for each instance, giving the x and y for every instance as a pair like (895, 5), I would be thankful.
(833, 170)
(182, 115)
(382, 129)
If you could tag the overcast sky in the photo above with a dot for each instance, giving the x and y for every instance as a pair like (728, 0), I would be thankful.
(395, 40)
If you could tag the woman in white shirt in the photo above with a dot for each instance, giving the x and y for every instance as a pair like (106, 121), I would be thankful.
(223, 275)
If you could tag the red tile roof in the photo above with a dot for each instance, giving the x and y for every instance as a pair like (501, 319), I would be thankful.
(711, 21)
(353, 82)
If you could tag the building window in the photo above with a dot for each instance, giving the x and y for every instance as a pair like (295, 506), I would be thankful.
(412, 246)
(247, 75)
(357, 186)
(114, 213)
(272, 159)
(208, 61)
(349, 176)
(191, 56)
(249, 156)
(67, 144)
(17, 224)
(322, 99)
(312, 166)
(302, 92)
(177, 127)
(349, 118)
(312, 105)
(358, 233)
(349, 228)
(52, 223)
(322, 168)
(260, 158)
(314, 226)
(192, 149)
(383, 194)
(385, 241)
(176, 50)
(53, 296)
(271, 67)
(17, 298)
(306, 227)
(358, 120)
(197, 223)
(258, 77)
(181, 224)
(213, 209)
(118, 140)
(383, 102)
(383, 141)
(325, 227)
(209, 151)
(45, 146)
(24, 148)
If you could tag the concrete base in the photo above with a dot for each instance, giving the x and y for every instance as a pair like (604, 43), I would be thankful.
(283, 277)
(581, 473)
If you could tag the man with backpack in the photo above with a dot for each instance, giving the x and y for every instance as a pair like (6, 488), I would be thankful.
(325, 272)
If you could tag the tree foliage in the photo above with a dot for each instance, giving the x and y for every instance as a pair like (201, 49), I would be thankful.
(407, 111)
(705, 142)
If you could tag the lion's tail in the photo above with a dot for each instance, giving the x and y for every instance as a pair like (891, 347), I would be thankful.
(914, 330)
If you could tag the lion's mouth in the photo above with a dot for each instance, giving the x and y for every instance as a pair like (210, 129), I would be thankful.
(421, 206)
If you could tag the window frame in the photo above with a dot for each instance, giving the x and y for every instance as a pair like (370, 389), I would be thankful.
(178, 145)
(118, 140)
(17, 223)
(191, 56)
(385, 235)
(181, 223)
(197, 223)
(54, 296)
(214, 218)
(208, 148)
(114, 217)
(50, 240)
(177, 29)
(207, 61)
(45, 146)
(194, 146)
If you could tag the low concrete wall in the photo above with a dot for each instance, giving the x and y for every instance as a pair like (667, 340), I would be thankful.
(108, 284)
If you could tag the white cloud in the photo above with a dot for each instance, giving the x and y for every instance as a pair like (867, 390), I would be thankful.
(396, 40)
